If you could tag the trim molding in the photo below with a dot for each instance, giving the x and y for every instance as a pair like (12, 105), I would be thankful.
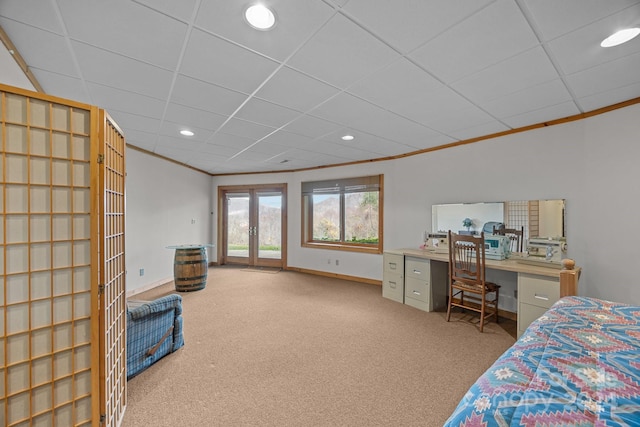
(336, 275)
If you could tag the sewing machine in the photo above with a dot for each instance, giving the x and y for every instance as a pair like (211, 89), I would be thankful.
(436, 242)
(545, 251)
(497, 247)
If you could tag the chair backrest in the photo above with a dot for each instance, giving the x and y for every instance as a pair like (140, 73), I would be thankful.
(467, 258)
(516, 237)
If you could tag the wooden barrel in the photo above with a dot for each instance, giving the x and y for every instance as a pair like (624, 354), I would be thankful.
(190, 269)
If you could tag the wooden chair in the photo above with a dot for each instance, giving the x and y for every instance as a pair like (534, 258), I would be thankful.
(516, 237)
(468, 288)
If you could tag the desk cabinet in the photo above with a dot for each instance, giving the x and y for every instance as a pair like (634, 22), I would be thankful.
(393, 277)
(536, 294)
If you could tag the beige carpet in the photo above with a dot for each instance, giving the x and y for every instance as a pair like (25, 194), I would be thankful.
(292, 349)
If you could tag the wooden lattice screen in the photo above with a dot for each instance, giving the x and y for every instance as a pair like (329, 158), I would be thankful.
(50, 218)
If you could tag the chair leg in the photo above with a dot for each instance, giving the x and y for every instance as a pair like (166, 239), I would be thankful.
(449, 304)
(482, 309)
(497, 295)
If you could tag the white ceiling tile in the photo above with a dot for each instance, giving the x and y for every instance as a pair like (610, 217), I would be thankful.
(172, 130)
(35, 13)
(266, 113)
(542, 115)
(127, 28)
(554, 18)
(146, 141)
(610, 97)
(294, 90)
(396, 86)
(246, 129)
(408, 24)
(527, 69)
(609, 76)
(494, 34)
(580, 49)
(62, 86)
(234, 142)
(135, 122)
(217, 61)
(40, 49)
(182, 9)
(465, 118)
(110, 98)
(205, 96)
(488, 128)
(531, 98)
(345, 109)
(122, 72)
(287, 139)
(296, 20)
(341, 53)
(310, 126)
(194, 117)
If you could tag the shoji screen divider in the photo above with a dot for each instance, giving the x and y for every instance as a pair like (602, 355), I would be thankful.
(52, 267)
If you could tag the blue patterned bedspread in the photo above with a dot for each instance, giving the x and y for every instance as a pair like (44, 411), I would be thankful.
(577, 365)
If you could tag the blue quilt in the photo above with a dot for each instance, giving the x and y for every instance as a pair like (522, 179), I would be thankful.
(577, 365)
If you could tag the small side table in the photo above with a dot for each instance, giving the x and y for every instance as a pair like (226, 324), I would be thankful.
(190, 266)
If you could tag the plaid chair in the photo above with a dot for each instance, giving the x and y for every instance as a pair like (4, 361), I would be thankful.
(154, 329)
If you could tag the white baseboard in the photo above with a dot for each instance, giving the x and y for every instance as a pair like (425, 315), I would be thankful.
(148, 287)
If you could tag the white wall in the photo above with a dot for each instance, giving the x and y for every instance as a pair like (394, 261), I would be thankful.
(166, 204)
(591, 163)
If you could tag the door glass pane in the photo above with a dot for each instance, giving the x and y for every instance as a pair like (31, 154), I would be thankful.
(238, 225)
(270, 226)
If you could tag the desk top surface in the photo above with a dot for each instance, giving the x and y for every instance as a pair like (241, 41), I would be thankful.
(505, 265)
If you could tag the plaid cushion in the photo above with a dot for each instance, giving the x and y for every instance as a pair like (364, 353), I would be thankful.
(147, 325)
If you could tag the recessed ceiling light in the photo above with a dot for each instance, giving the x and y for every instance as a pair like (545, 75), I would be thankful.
(186, 132)
(260, 17)
(347, 138)
(620, 37)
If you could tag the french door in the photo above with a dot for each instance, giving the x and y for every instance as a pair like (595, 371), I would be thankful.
(252, 229)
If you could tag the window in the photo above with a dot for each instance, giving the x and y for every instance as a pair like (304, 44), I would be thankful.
(343, 214)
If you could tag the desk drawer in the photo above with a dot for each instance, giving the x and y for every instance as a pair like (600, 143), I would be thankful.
(417, 268)
(393, 287)
(417, 289)
(527, 313)
(538, 290)
(393, 263)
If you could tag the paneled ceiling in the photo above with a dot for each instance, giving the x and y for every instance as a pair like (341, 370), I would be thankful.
(400, 76)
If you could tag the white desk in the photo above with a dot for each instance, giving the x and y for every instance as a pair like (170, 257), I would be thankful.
(420, 278)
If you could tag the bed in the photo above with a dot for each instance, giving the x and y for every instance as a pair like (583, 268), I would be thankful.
(577, 365)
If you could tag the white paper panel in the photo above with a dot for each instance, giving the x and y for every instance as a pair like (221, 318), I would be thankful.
(61, 145)
(61, 313)
(81, 174)
(17, 228)
(17, 258)
(40, 200)
(40, 313)
(41, 342)
(62, 227)
(16, 110)
(82, 331)
(42, 398)
(40, 284)
(44, 420)
(16, 168)
(81, 148)
(62, 364)
(82, 304)
(40, 256)
(18, 378)
(16, 139)
(17, 318)
(63, 414)
(60, 119)
(81, 200)
(81, 252)
(62, 254)
(81, 120)
(40, 171)
(81, 226)
(61, 199)
(62, 284)
(82, 360)
(18, 407)
(82, 279)
(39, 113)
(40, 142)
(18, 348)
(62, 336)
(61, 172)
(16, 198)
(40, 228)
(17, 288)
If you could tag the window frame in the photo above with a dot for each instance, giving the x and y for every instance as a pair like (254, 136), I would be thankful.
(309, 188)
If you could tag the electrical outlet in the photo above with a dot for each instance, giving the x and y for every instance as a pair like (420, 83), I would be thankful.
(142, 272)
(337, 262)
(328, 260)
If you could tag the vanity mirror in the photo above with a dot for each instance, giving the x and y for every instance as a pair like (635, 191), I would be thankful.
(540, 218)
